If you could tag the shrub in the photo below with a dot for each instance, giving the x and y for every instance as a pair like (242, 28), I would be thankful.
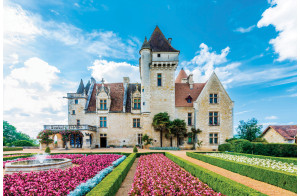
(112, 182)
(135, 149)
(281, 179)
(22, 143)
(48, 150)
(278, 150)
(16, 157)
(217, 182)
(225, 147)
(259, 139)
(164, 148)
(12, 149)
(231, 139)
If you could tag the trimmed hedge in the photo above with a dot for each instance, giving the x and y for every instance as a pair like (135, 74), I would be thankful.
(147, 153)
(164, 148)
(22, 143)
(282, 159)
(89, 153)
(112, 182)
(16, 157)
(217, 182)
(225, 147)
(12, 149)
(281, 179)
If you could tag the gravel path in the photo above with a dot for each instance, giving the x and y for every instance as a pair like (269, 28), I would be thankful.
(255, 184)
(126, 184)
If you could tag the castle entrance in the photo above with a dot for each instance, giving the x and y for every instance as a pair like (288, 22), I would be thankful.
(103, 140)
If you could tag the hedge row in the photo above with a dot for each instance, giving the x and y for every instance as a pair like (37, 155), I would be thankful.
(217, 182)
(272, 149)
(16, 157)
(89, 153)
(112, 182)
(164, 148)
(12, 148)
(282, 159)
(281, 179)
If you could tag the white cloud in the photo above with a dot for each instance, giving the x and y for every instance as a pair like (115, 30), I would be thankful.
(114, 72)
(271, 117)
(29, 100)
(206, 61)
(242, 112)
(283, 16)
(76, 4)
(245, 30)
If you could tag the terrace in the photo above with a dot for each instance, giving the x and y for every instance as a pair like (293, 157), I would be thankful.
(70, 127)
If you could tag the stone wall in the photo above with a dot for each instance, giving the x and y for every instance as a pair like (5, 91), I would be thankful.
(273, 136)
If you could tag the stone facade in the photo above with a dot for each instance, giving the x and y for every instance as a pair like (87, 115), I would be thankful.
(122, 112)
(280, 134)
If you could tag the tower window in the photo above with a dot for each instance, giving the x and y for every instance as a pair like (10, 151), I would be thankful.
(158, 55)
(159, 80)
(76, 101)
(73, 112)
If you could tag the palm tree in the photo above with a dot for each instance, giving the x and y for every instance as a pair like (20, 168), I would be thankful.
(178, 127)
(161, 122)
(194, 136)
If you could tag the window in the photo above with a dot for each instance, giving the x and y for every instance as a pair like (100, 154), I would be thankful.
(103, 122)
(213, 138)
(213, 98)
(158, 55)
(136, 122)
(189, 99)
(73, 112)
(78, 122)
(103, 104)
(214, 118)
(137, 103)
(140, 136)
(190, 119)
(76, 101)
(159, 80)
(190, 140)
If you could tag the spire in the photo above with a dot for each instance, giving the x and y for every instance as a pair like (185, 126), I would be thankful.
(87, 87)
(145, 44)
(180, 76)
(80, 89)
(159, 43)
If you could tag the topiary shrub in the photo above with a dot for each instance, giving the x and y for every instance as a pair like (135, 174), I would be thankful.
(225, 147)
(135, 149)
(48, 150)
(22, 143)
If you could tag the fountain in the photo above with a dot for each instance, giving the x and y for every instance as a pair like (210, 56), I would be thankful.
(41, 163)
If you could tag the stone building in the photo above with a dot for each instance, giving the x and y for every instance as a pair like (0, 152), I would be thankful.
(119, 114)
(280, 134)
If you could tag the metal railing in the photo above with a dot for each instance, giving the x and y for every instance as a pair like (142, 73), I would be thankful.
(70, 127)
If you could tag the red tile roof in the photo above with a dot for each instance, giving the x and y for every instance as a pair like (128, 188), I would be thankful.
(181, 75)
(286, 131)
(116, 93)
(159, 43)
(182, 91)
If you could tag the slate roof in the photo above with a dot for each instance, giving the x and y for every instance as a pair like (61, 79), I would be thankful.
(80, 89)
(182, 91)
(181, 75)
(159, 43)
(146, 44)
(286, 131)
(87, 87)
(116, 93)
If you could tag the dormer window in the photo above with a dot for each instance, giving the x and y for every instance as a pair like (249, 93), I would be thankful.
(137, 103)
(158, 55)
(103, 104)
(189, 99)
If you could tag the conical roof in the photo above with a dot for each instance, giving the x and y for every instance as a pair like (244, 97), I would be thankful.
(80, 88)
(180, 76)
(145, 44)
(159, 43)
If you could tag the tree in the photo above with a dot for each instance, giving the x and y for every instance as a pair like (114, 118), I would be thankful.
(11, 134)
(178, 127)
(194, 136)
(249, 130)
(161, 122)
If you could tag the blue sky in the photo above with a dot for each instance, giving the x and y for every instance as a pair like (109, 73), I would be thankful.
(50, 45)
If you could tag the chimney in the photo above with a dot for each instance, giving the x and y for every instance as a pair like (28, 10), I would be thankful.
(126, 80)
(190, 81)
(169, 40)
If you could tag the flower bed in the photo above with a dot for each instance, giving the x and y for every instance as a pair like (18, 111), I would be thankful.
(158, 175)
(268, 163)
(57, 182)
(12, 155)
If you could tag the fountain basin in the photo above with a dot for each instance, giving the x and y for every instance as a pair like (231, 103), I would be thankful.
(35, 165)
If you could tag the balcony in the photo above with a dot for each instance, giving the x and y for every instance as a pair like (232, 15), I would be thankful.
(70, 127)
(75, 95)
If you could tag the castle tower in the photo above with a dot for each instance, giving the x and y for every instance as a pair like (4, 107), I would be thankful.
(158, 63)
